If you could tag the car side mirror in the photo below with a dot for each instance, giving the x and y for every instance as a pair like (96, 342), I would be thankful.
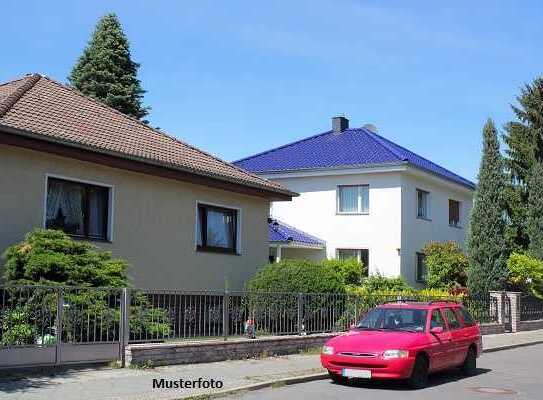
(353, 326)
(436, 330)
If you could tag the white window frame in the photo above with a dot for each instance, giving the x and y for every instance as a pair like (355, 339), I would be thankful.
(459, 224)
(428, 201)
(111, 201)
(239, 251)
(359, 212)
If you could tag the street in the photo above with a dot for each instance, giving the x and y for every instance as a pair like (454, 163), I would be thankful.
(509, 374)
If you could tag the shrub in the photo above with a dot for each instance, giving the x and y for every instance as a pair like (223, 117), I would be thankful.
(377, 282)
(526, 274)
(446, 264)
(15, 327)
(351, 270)
(302, 276)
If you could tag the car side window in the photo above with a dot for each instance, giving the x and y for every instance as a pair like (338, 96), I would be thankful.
(466, 316)
(437, 320)
(452, 319)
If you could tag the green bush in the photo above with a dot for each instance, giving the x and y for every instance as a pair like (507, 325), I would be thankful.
(526, 274)
(299, 276)
(351, 270)
(50, 257)
(377, 282)
(16, 327)
(446, 265)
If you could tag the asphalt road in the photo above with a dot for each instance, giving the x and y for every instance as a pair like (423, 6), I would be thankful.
(507, 374)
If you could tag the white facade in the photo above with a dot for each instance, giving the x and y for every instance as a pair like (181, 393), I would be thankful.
(390, 231)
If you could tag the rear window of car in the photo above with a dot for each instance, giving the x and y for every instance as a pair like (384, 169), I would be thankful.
(452, 319)
(466, 317)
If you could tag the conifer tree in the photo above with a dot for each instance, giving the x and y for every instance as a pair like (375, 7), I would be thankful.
(106, 71)
(534, 226)
(486, 244)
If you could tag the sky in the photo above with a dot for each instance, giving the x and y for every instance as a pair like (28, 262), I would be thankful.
(236, 78)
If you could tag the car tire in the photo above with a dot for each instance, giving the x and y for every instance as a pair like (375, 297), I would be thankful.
(337, 378)
(419, 375)
(469, 367)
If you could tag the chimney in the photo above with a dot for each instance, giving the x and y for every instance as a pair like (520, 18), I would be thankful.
(339, 124)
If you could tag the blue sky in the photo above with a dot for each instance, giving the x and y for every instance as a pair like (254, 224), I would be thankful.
(236, 78)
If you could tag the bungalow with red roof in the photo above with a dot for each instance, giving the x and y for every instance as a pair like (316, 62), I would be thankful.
(366, 197)
(182, 217)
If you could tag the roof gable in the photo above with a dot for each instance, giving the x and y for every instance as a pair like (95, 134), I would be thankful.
(52, 110)
(351, 148)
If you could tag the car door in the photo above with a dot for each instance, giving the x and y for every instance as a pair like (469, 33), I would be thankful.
(440, 343)
(458, 347)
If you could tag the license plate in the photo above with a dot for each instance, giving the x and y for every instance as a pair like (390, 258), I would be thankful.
(356, 373)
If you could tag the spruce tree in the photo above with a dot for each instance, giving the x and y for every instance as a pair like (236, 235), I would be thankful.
(534, 225)
(486, 244)
(106, 71)
(524, 139)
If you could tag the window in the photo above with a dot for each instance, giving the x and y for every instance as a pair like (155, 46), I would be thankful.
(362, 255)
(452, 319)
(79, 209)
(421, 267)
(437, 320)
(466, 316)
(423, 204)
(410, 320)
(353, 199)
(216, 229)
(454, 212)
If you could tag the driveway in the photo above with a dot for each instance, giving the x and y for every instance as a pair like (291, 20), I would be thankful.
(508, 374)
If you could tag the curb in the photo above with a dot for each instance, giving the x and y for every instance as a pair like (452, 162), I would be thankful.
(314, 377)
(258, 386)
(512, 346)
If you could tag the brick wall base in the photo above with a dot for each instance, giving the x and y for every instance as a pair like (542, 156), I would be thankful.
(530, 325)
(492, 329)
(220, 350)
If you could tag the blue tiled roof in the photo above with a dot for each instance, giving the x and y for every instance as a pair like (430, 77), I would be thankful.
(350, 148)
(279, 232)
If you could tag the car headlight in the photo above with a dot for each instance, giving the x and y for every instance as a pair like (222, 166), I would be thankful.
(389, 354)
(328, 350)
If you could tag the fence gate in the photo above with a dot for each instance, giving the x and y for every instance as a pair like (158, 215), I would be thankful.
(54, 326)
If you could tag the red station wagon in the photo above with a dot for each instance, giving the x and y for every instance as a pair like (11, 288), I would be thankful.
(405, 340)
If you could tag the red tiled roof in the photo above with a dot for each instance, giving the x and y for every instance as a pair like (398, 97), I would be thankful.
(47, 108)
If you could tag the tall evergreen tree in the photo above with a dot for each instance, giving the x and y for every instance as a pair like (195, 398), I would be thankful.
(524, 139)
(534, 225)
(106, 71)
(487, 248)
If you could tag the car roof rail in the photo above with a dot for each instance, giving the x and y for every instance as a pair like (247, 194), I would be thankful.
(402, 300)
(443, 301)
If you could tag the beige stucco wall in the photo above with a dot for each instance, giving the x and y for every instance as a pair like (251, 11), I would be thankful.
(153, 220)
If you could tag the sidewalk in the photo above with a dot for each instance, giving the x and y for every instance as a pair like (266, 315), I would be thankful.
(136, 384)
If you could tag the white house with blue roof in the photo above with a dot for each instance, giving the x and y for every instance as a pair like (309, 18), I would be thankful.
(362, 195)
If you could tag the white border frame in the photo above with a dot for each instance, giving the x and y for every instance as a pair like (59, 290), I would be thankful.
(239, 250)
(111, 200)
(359, 199)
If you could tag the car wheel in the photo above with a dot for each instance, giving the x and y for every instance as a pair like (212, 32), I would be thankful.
(469, 368)
(419, 376)
(336, 378)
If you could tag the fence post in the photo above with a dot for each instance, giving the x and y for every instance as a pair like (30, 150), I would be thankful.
(500, 300)
(59, 324)
(225, 312)
(514, 301)
(124, 324)
(300, 312)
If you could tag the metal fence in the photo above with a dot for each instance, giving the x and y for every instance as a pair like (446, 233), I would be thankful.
(531, 308)
(178, 315)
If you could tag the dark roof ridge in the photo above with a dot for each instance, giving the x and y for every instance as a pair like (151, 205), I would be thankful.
(171, 137)
(382, 141)
(283, 146)
(13, 98)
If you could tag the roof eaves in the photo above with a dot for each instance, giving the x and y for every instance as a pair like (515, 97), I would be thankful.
(64, 142)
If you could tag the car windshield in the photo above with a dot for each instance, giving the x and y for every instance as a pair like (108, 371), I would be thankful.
(394, 319)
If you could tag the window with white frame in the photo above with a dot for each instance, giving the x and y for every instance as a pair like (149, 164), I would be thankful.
(362, 255)
(217, 229)
(454, 212)
(423, 204)
(421, 269)
(353, 199)
(79, 209)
